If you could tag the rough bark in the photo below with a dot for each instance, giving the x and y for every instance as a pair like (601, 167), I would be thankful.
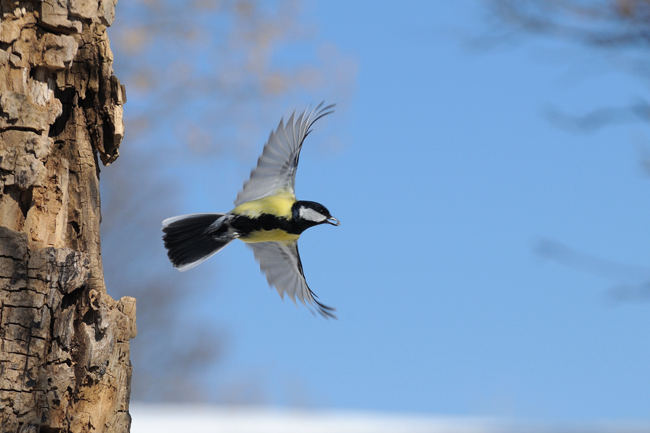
(64, 343)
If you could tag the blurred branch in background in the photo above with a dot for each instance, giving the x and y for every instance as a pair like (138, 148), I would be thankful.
(597, 119)
(603, 23)
(632, 282)
(221, 63)
(618, 28)
(204, 79)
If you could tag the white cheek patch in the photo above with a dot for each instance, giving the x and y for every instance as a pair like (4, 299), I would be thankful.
(311, 215)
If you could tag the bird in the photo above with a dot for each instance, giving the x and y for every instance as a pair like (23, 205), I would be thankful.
(267, 216)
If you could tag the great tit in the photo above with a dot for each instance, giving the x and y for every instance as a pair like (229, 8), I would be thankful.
(267, 217)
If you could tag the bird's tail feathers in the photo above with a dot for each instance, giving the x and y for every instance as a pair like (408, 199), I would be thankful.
(189, 240)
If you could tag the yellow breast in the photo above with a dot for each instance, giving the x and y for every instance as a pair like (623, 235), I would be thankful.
(275, 235)
(278, 205)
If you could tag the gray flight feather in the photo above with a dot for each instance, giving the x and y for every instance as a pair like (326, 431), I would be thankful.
(276, 167)
(280, 261)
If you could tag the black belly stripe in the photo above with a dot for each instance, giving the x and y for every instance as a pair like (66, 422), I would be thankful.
(245, 225)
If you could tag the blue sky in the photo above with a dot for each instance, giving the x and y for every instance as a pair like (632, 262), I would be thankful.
(446, 176)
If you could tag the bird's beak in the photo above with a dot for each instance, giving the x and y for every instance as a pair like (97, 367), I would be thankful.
(333, 221)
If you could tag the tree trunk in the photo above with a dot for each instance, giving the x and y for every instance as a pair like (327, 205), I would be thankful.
(64, 343)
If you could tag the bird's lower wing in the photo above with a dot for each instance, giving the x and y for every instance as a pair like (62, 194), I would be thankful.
(280, 261)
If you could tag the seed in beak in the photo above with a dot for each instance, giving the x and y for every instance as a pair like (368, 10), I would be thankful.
(333, 221)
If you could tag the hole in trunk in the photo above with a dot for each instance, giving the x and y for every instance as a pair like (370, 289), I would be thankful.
(26, 201)
(67, 97)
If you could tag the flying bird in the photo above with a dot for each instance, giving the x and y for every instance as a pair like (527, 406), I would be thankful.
(267, 217)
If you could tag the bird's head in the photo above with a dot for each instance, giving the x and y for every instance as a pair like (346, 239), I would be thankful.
(309, 214)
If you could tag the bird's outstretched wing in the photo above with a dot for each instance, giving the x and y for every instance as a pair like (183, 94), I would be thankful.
(280, 261)
(276, 167)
